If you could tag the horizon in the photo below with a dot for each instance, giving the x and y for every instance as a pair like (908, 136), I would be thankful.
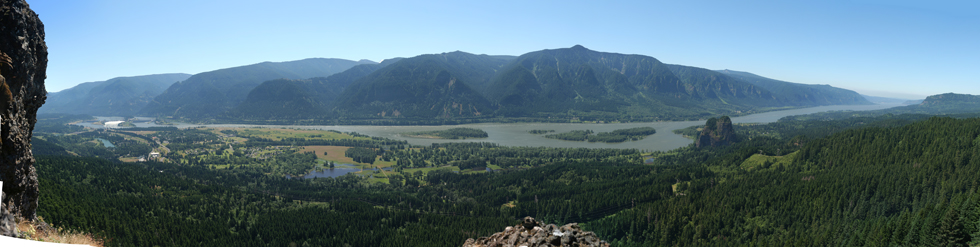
(905, 50)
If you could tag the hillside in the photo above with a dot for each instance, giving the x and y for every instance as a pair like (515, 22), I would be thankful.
(941, 104)
(285, 99)
(118, 96)
(713, 87)
(426, 86)
(906, 185)
(205, 95)
(801, 94)
(553, 82)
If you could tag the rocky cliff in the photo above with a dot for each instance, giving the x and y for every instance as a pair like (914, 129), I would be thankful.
(716, 132)
(23, 61)
(532, 233)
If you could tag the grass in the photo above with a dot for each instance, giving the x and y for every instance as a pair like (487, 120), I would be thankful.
(40, 231)
(128, 159)
(758, 160)
(336, 154)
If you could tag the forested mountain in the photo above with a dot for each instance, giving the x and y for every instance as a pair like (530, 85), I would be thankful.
(427, 86)
(912, 185)
(548, 82)
(948, 103)
(568, 84)
(800, 94)
(285, 99)
(118, 96)
(714, 87)
(208, 94)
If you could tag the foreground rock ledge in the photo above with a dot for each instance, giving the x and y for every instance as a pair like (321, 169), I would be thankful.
(532, 233)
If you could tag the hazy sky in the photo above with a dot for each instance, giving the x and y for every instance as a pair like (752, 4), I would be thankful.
(883, 48)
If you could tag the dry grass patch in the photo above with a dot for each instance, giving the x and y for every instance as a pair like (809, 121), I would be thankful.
(334, 153)
(41, 231)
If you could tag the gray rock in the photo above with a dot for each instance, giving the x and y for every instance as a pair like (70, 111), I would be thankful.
(23, 62)
(531, 233)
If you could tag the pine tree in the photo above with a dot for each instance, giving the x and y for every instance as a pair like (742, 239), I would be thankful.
(950, 231)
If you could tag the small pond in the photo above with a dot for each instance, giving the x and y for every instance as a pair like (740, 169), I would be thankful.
(106, 143)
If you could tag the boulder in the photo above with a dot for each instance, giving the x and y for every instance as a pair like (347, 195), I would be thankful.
(532, 233)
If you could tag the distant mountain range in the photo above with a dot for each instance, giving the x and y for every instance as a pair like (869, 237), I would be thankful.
(209, 94)
(941, 104)
(120, 96)
(548, 85)
(887, 101)
(799, 94)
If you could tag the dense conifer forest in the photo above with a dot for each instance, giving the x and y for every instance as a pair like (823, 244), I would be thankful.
(821, 180)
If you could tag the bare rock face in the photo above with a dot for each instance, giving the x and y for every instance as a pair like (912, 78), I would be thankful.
(23, 61)
(532, 233)
(716, 132)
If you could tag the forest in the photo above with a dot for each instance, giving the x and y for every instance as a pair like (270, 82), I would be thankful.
(454, 133)
(827, 180)
(615, 136)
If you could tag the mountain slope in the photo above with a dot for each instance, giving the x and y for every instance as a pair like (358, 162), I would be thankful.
(208, 94)
(285, 99)
(299, 99)
(708, 85)
(555, 81)
(797, 94)
(114, 97)
(426, 86)
(941, 104)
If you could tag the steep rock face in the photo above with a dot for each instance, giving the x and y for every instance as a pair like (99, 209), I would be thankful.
(717, 132)
(23, 61)
(534, 233)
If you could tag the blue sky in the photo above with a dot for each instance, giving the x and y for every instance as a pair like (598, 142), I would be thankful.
(883, 48)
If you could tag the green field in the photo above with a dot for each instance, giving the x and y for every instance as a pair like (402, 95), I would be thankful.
(759, 161)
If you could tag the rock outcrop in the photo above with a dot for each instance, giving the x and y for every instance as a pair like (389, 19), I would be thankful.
(716, 132)
(23, 61)
(532, 233)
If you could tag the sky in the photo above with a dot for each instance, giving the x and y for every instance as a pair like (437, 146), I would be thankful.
(901, 49)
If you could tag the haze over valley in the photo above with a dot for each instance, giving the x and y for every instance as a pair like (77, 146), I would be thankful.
(503, 123)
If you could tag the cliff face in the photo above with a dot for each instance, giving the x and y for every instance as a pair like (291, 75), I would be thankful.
(717, 132)
(23, 61)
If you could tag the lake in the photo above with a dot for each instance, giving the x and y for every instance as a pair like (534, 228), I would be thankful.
(106, 143)
(516, 134)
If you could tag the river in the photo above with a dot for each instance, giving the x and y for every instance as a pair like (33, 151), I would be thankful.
(516, 134)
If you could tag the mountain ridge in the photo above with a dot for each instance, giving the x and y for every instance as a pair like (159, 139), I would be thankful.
(116, 96)
(791, 92)
(547, 85)
(217, 91)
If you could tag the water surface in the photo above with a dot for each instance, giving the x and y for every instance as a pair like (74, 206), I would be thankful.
(516, 134)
